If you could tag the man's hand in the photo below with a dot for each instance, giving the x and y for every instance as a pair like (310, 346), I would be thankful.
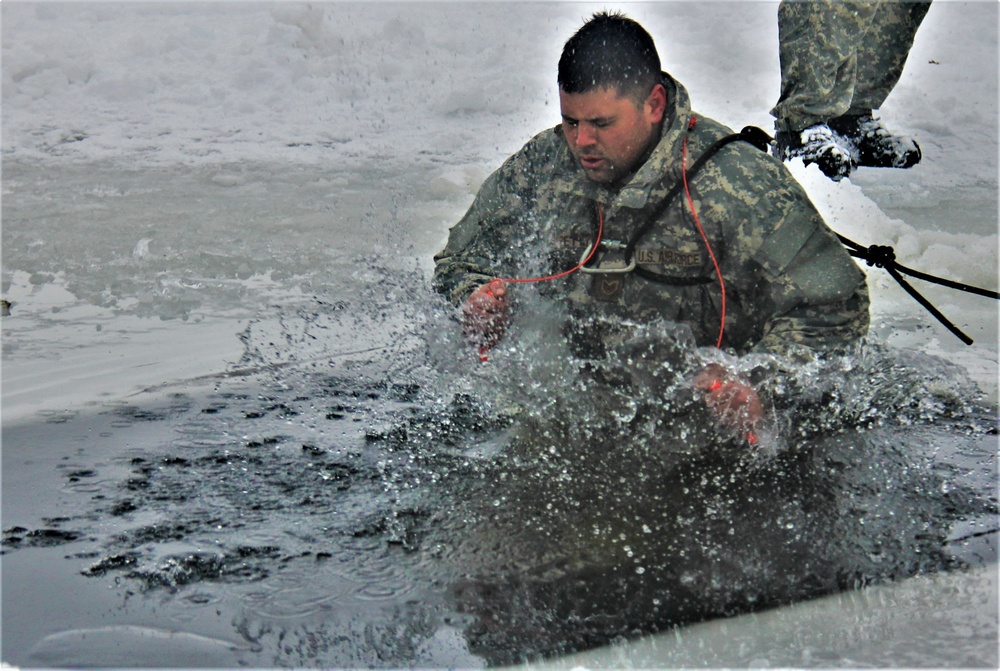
(485, 316)
(734, 402)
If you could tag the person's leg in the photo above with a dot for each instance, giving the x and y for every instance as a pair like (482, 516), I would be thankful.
(883, 52)
(818, 52)
(818, 44)
(881, 57)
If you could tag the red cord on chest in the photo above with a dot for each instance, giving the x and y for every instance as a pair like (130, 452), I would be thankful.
(701, 231)
(600, 232)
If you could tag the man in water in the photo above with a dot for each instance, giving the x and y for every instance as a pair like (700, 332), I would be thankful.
(608, 202)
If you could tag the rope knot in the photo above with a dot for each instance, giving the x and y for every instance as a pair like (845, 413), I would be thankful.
(880, 256)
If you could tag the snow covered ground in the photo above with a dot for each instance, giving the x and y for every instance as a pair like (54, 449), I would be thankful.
(174, 170)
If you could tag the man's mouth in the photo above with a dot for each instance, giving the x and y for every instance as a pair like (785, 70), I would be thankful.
(591, 162)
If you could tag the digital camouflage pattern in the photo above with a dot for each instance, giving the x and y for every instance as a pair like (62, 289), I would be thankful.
(788, 280)
(841, 57)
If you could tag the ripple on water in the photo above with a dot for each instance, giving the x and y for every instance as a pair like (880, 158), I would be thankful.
(382, 581)
(201, 598)
(201, 433)
(297, 596)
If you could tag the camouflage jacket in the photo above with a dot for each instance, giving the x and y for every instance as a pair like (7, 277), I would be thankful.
(788, 280)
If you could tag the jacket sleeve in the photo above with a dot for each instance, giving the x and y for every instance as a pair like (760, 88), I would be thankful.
(468, 260)
(480, 246)
(818, 297)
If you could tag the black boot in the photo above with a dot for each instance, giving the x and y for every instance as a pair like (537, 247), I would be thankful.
(876, 146)
(817, 144)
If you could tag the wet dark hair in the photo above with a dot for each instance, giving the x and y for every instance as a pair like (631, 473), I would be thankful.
(610, 51)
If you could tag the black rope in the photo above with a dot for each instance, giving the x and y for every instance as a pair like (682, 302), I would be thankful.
(885, 257)
(673, 280)
(975, 534)
(882, 256)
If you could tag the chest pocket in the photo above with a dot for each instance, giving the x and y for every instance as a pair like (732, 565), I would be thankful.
(679, 262)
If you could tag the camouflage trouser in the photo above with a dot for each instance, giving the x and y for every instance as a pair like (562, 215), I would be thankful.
(841, 57)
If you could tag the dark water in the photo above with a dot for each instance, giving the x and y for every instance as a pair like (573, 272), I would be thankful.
(366, 503)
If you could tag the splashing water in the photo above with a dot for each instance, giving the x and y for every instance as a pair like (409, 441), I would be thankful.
(359, 474)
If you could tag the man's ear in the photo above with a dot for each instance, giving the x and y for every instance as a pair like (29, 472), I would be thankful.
(656, 104)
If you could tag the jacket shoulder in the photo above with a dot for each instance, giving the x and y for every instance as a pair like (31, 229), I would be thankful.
(545, 148)
(751, 171)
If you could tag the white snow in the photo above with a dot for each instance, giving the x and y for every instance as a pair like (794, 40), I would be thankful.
(171, 169)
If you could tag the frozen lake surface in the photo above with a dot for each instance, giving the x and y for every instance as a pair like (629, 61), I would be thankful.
(238, 429)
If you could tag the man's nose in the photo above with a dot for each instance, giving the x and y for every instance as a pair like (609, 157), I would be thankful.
(585, 135)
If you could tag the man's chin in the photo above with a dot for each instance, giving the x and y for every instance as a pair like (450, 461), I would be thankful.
(599, 175)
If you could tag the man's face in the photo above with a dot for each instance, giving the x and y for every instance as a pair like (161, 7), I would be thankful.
(609, 135)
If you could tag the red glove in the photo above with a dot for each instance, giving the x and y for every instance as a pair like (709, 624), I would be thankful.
(734, 402)
(485, 316)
